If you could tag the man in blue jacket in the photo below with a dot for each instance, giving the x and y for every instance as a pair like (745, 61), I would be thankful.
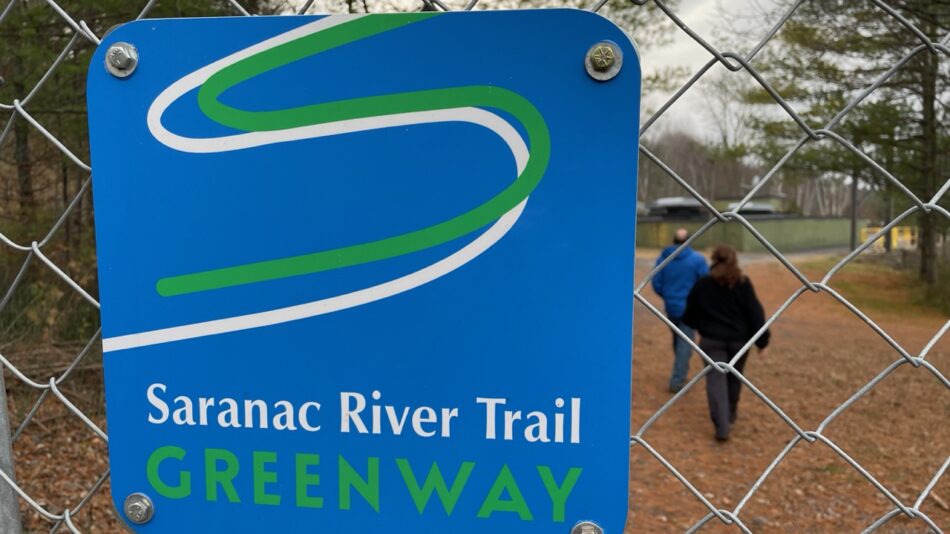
(673, 283)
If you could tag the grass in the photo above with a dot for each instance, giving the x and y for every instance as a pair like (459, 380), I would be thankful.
(938, 295)
(876, 287)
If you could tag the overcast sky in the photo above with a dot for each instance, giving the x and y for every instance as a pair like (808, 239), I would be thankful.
(715, 21)
(709, 18)
(703, 16)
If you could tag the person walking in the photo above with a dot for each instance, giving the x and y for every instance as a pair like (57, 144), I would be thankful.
(673, 283)
(725, 310)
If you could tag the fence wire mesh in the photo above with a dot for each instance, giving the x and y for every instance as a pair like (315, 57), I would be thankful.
(62, 512)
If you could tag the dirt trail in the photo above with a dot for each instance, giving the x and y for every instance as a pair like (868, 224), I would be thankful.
(820, 356)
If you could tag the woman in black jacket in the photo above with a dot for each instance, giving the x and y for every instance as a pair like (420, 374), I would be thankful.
(724, 309)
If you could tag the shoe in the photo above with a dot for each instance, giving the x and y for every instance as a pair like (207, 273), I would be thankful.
(676, 389)
(722, 439)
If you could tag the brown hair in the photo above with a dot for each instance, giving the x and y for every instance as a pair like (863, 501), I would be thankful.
(725, 267)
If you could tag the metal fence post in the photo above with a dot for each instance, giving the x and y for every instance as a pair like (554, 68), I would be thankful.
(9, 503)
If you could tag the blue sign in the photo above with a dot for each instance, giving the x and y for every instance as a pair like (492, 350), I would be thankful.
(368, 273)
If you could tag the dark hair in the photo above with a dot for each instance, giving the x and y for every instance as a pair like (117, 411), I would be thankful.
(725, 267)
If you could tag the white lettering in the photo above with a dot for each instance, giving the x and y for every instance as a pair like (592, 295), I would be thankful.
(203, 405)
(490, 414)
(422, 416)
(183, 415)
(227, 412)
(249, 406)
(348, 413)
(229, 417)
(376, 417)
(304, 421)
(284, 420)
(510, 418)
(447, 416)
(575, 420)
(537, 431)
(559, 422)
(394, 422)
(157, 403)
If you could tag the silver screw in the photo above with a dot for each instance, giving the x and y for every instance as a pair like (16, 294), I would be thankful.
(121, 60)
(587, 527)
(139, 508)
(603, 61)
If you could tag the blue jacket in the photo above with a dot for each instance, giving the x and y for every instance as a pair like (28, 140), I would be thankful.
(674, 282)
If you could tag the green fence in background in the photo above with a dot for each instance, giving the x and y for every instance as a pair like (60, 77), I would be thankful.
(787, 233)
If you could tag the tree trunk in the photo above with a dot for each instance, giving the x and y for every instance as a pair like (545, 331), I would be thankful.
(64, 175)
(24, 169)
(854, 210)
(928, 247)
(888, 245)
(927, 222)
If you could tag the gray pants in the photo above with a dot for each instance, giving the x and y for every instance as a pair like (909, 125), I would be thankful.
(722, 390)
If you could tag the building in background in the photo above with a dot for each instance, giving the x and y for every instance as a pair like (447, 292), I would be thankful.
(789, 232)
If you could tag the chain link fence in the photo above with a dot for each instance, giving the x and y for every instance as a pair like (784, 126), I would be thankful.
(52, 386)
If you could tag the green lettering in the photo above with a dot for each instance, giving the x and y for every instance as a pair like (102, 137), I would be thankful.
(559, 494)
(306, 479)
(262, 477)
(368, 489)
(224, 478)
(435, 482)
(493, 502)
(183, 489)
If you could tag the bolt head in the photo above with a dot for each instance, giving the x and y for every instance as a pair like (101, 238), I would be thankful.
(603, 61)
(139, 508)
(587, 527)
(121, 59)
(602, 58)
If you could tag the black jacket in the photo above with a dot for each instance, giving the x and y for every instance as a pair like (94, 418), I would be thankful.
(719, 312)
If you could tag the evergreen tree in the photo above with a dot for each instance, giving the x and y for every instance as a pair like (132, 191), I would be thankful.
(827, 55)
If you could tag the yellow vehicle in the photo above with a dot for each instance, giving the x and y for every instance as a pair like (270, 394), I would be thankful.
(902, 238)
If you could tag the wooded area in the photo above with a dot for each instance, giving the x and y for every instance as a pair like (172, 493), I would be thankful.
(824, 58)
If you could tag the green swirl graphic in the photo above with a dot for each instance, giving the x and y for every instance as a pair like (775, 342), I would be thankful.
(481, 96)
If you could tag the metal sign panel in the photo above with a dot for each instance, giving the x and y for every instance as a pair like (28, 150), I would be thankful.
(367, 273)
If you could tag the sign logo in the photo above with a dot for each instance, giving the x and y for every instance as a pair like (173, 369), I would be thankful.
(457, 104)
